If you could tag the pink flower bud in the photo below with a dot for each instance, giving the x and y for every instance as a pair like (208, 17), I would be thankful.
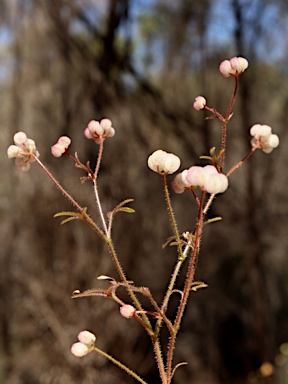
(195, 176)
(233, 67)
(20, 138)
(163, 162)
(199, 103)
(216, 183)
(87, 338)
(57, 150)
(106, 124)
(79, 349)
(65, 141)
(61, 146)
(127, 311)
(13, 151)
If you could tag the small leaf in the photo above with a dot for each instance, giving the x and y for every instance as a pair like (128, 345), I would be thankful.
(66, 213)
(126, 209)
(206, 157)
(124, 202)
(69, 219)
(198, 285)
(103, 277)
(213, 220)
(212, 152)
(230, 116)
(177, 366)
(168, 241)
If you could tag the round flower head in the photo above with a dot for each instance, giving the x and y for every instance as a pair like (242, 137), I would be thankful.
(24, 151)
(95, 130)
(233, 67)
(199, 103)
(264, 138)
(163, 162)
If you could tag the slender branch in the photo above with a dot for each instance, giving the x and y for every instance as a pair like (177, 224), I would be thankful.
(253, 149)
(224, 124)
(122, 366)
(96, 193)
(181, 258)
(58, 185)
(171, 214)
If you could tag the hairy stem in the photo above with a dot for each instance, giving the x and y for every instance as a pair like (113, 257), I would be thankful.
(96, 193)
(224, 124)
(58, 185)
(187, 288)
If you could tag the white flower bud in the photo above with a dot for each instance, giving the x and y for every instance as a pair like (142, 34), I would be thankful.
(87, 338)
(79, 349)
(127, 311)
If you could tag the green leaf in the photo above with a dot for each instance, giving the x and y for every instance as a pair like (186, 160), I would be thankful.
(69, 219)
(213, 220)
(126, 209)
(66, 213)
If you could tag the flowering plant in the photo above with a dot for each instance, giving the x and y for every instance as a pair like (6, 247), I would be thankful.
(203, 183)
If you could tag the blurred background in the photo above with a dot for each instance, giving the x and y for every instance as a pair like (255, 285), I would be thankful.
(141, 63)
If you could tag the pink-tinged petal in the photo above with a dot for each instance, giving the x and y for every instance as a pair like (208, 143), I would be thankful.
(225, 68)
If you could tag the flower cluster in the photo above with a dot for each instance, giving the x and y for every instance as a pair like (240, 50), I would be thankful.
(24, 150)
(85, 344)
(95, 130)
(233, 67)
(163, 162)
(262, 134)
(61, 146)
(207, 178)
